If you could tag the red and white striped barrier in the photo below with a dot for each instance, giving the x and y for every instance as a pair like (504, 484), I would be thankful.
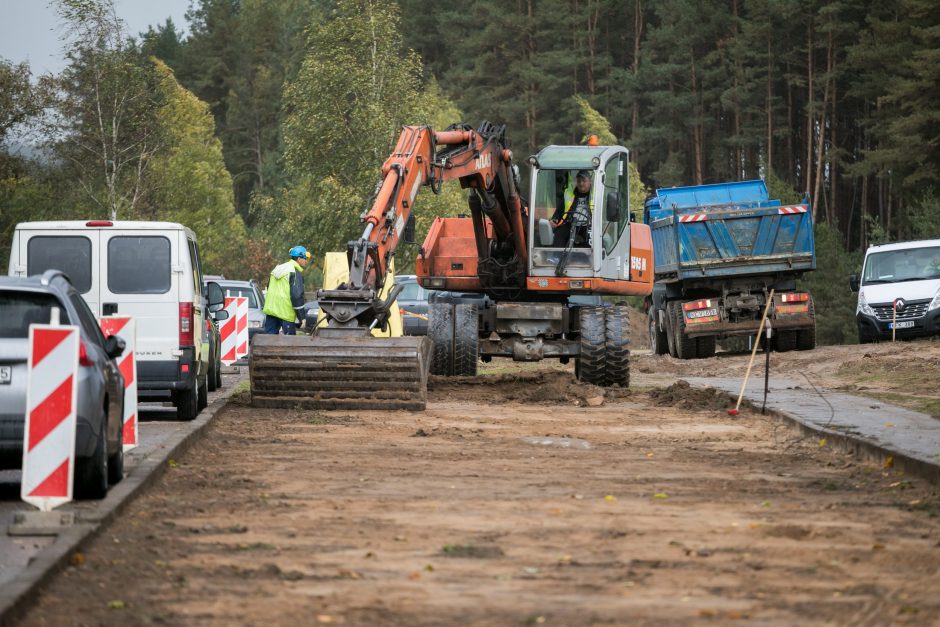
(790, 210)
(241, 327)
(694, 217)
(227, 333)
(51, 416)
(126, 328)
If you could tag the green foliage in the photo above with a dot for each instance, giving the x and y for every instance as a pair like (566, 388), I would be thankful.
(779, 189)
(189, 181)
(343, 124)
(829, 285)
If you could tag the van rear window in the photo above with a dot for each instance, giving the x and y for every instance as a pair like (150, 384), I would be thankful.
(138, 265)
(70, 254)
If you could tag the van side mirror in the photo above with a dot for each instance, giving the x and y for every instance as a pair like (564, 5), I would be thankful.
(613, 206)
(114, 346)
(221, 314)
(215, 296)
(853, 282)
(409, 233)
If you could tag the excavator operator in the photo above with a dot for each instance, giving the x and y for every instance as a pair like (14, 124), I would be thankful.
(575, 211)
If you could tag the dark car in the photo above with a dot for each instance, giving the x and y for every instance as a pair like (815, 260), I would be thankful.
(413, 304)
(99, 446)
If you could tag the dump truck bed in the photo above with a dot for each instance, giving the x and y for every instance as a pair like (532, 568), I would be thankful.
(728, 230)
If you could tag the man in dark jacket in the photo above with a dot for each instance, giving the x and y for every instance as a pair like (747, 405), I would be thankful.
(576, 208)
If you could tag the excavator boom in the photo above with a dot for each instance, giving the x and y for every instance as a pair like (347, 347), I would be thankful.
(341, 365)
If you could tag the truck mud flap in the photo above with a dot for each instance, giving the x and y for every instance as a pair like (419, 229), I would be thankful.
(339, 373)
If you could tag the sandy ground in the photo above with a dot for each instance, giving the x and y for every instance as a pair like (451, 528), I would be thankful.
(516, 499)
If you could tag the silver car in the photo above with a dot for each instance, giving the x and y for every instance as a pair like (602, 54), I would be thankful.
(99, 449)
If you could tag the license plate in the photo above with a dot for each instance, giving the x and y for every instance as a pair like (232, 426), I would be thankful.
(907, 324)
(6, 375)
(702, 313)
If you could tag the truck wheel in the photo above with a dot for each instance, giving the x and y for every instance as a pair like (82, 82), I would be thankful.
(705, 346)
(187, 403)
(670, 329)
(685, 345)
(91, 474)
(785, 341)
(806, 338)
(658, 343)
(618, 346)
(203, 393)
(592, 363)
(466, 340)
(441, 332)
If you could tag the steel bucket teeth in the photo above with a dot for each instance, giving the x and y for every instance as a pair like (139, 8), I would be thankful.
(339, 373)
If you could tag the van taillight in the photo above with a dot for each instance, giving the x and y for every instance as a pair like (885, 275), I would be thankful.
(99, 223)
(186, 324)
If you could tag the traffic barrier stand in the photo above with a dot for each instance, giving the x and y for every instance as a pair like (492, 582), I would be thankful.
(241, 326)
(51, 415)
(227, 332)
(126, 328)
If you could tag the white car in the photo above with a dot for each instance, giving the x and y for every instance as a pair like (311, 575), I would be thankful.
(899, 291)
(148, 270)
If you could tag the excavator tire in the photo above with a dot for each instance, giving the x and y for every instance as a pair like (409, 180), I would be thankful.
(592, 363)
(670, 329)
(304, 372)
(685, 345)
(441, 333)
(705, 346)
(658, 342)
(466, 341)
(618, 346)
(806, 338)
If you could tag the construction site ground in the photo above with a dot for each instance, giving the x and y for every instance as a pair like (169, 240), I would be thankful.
(521, 497)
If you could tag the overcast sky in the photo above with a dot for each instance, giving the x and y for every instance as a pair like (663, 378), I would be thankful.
(29, 30)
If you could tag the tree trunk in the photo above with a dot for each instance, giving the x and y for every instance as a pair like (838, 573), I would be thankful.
(808, 164)
(770, 111)
(637, 36)
(822, 128)
(697, 124)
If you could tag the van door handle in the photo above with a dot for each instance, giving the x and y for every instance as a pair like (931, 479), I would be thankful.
(109, 309)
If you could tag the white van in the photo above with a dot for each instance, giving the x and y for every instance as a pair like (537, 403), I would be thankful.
(899, 290)
(148, 270)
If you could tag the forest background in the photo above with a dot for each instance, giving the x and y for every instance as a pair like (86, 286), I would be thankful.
(267, 123)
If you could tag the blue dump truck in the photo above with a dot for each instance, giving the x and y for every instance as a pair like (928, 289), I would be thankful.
(719, 250)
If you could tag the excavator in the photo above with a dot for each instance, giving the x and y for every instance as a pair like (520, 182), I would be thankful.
(540, 286)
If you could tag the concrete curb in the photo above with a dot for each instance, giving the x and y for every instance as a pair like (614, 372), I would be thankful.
(17, 596)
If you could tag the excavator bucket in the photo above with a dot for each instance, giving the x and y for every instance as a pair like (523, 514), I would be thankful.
(300, 371)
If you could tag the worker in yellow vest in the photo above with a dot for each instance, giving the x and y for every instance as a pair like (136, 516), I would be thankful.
(284, 301)
(577, 203)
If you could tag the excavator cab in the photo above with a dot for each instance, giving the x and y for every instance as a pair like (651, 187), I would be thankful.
(598, 244)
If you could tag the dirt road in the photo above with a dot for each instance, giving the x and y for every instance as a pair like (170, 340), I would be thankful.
(513, 501)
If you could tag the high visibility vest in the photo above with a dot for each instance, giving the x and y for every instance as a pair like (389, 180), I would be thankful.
(569, 199)
(277, 301)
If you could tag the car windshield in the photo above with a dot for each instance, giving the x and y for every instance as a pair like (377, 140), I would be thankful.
(234, 292)
(909, 264)
(412, 291)
(18, 310)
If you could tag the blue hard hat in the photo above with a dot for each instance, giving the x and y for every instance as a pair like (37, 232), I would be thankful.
(299, 251)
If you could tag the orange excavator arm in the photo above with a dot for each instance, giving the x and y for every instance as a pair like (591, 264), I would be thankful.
(479, 159)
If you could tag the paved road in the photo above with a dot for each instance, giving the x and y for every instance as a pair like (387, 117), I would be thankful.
(157, 424)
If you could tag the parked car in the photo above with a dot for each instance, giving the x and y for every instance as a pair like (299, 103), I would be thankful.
(413, 304)
(250, 290)
(311, 313)
(99, 446)
(148, 270)
(899, 291)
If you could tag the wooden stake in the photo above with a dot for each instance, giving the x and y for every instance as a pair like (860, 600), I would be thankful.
(760, 329)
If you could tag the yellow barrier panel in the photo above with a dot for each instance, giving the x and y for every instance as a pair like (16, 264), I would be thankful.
(336, 271)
